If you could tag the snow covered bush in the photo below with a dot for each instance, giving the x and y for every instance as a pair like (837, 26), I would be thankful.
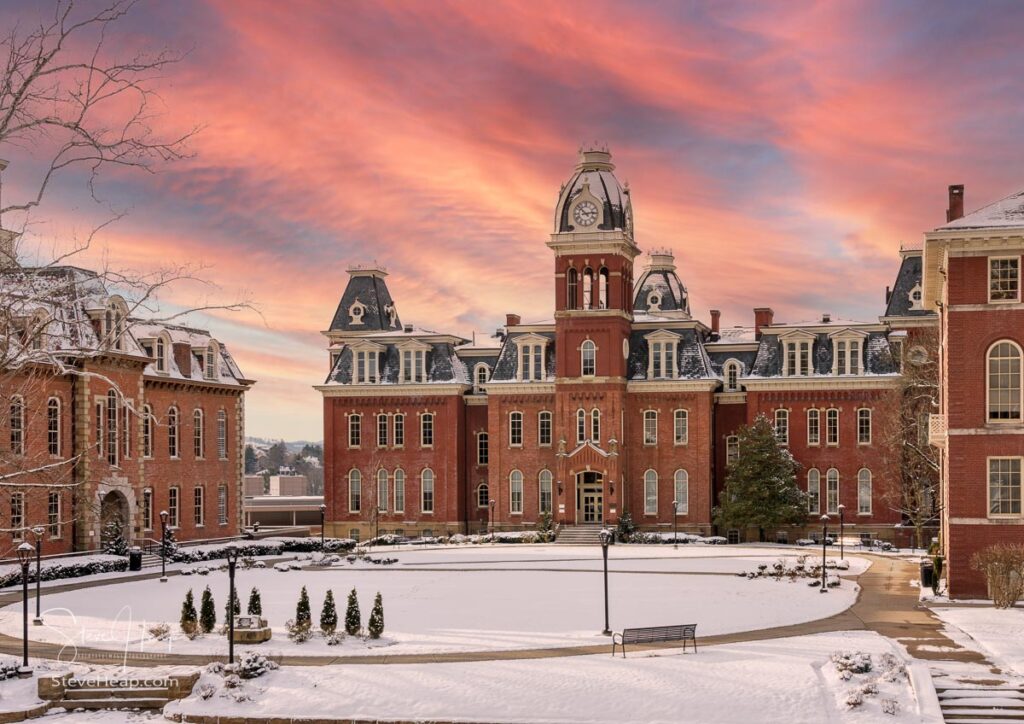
(336, 638)
(267, 547)
(353, 618)
(9, 667)
(1003, 567)
(159, 631)
(892, 668)
(890, 706)
(283, 566)
(329, 614)
(10, 575)
(375, 627)
(251, 666)
(299, 632)
(854, 662)
(189, 621)
(854, 699)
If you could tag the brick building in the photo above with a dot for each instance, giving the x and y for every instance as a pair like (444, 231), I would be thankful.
(111, 419)
(623, 401)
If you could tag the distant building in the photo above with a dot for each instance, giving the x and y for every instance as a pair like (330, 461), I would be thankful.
(290, 484)
(254, 485)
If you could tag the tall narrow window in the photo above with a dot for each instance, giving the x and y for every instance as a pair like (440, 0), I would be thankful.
(588, 353)
(1004, 279)
(427, 491)
(662, 358)
(161, 355)
(399, 491)
(832, 427)
(100, 429)
(832, 482)
(483, 495)
(588, 288)
(682, 492)
(17, 515)
(650, 427)
(864, 491)
(1004, 382)
(798, 358)
(53, 514)
(113, 447)
(813, 427)
(581, 426)
(544, 429)
(198, 507)
(515, 429)
(427, 430)
(782, 426)
(602, 289)
(650, 493)
(53, 426)
(813, 491)
(355, 491)
(864, 426)
(1004, 486)
(400, 430)
(172, 432)
(17, 425)
(198, 435)
(147, 431)
(840, 358)
(174, 507)
(732, 449)
(127, 422)
(545, 491)
(210, 368)
(480, 375)
(222, 435)
(222, 505)
(147, 509)
(681, 427)
(595, 426)
(732, 376)
(482, 452)
(572, 293)
(382, 490)
(355, 431)
(515, 487)
(382, 430)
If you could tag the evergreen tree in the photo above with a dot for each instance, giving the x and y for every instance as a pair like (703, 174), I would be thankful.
(250, 460)
(329, 614)
(302, 615)
(353, 619)
(760, 485)
(114, 543)
(207, 612)
(230, 610)
(189, 617)
(376, 623)
(255, 607)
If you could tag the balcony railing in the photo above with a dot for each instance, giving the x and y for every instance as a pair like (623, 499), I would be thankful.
(937, 430)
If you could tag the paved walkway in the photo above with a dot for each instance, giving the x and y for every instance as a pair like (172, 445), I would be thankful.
(887, 605)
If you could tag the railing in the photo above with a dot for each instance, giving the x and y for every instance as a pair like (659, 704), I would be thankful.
(937, 430)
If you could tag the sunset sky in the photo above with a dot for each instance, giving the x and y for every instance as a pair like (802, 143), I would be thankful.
(783, 151)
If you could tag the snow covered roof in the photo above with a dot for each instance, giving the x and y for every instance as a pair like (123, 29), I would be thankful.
(735, 335)
(659, 289)
(366, 304)
(1005, 213)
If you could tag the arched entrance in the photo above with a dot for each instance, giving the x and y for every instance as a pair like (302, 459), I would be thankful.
(589, 498)
(114, 518)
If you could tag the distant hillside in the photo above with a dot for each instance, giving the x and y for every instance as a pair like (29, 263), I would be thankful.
(294, 446)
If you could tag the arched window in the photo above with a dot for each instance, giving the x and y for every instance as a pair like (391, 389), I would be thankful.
(427, 491)
(483, 496)
(595, 426)
(172, 432)
(480, 374)
(1004, 382)
(602, 288)
(198, 435)
(515, 429)
(588, 288)
(681, 427)
(161, 354)
(650, 493)
(832, 491)
(864, 491)
(588, 358)
(572, 284)
(113, 410)
(53, 426)
(813, 491)
(355, 490)
(16, 423)
(515, 499)
(399, 491)
(544, 481)
(147, 431)
(212, 368)
(382, 490)
(682, 492)
(581, 426)
(732, 375)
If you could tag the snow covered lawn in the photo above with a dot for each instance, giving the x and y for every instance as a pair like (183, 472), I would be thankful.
(997, 633)
(483, 598)
(789, 680)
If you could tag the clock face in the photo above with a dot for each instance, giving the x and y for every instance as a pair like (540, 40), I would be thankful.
(585, 214)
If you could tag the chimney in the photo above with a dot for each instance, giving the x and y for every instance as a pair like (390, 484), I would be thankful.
(511, 320)
(826, 318)
(763, 317)
(956, 203)
(716, 317)
(407, 329)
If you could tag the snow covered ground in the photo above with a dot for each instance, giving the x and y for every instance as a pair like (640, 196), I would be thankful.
(461, 599)
(997, 633)
(789, 680)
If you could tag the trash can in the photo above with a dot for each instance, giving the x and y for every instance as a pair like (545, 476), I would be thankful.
(135, 559)
(927, 570)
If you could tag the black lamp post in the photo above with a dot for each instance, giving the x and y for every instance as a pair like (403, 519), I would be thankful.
(232, 555)
(164, 515)
(842, 509)
(38, 531)
(606, 538)
(675, 524)
(824, 542)
(492, 504)
(323, 515)
(25, 551)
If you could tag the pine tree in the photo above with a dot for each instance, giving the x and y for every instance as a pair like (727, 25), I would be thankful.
(114, 543)
(228, 612)
(329, 614)
(255, 607)
(303, 617)
(353, 619)
(376, 623)
(760, 485)
(189, 617)
(207, 612)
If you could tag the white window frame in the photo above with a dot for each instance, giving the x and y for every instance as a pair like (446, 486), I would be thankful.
(398, 431)
(54, 417)
(355, 431)
(515, 492)
(595, 426)
(199, 506)
(531, 357)
(798, 354)
(222, 435)
(864, 479)
(222, 505)
(427, 429)
(515, 428)
(1018, 473)
(545, 491)
(848, 352)
(650, 492)
(427, 491)
(681, 489)
(581, 426)
(16, 424)
(831, 414)
(483, 495)
(814, 491)
(864, 426)
(17, 515)
(782, 426)
(732, 449)
(588, 358)
(650, 429)
(382, 427)
(399, 481)
(662, 348)
(173, 433)
(355, 490)
(989, 265)
(545, 422)
(813, 427)
(1009, 403)
(481, 371)
(681, 427)
(483, 452)
(412, 362)
(832, 502)
(383, 484)
(732, 370)
(174, 507)
(199, 434)
(53, 511)
(147, 509)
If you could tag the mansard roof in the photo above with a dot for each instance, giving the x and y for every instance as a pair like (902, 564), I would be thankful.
(507, 367)
(366, 304)
(442, 364)
(900, 303)
(692, 362)
(660, 289)
(877, 356)
(1005, 213)
(595, 172)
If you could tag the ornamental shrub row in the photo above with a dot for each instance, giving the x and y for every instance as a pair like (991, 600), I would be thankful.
(70, 568)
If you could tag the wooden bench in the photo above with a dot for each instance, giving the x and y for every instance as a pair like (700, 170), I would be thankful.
(655, 634)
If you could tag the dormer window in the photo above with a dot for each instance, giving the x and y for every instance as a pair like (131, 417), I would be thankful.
(210, 366)
(163, 346)
(731, 374)
(915, 297)
(356, 312)
(847, 348)
(114, 323)
(661, 358)
(532, 363)
(653, 302)
(797, 347)
(412, 362)
(365, 363)
(480, 374)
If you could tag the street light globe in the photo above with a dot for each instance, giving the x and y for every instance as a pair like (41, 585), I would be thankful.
(841, 507)
(38, 530)
(232, 553)
(606, 536)
(25, 553)
(164, 515)
(824, 519)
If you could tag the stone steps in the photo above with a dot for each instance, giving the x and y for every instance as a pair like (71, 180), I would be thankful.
(71, 693)
(579, 535)
(982, 705)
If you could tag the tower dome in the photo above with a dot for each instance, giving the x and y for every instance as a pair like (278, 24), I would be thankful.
(660, 291)
(593, 199)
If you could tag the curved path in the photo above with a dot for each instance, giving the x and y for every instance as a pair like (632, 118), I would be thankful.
(886, 604)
